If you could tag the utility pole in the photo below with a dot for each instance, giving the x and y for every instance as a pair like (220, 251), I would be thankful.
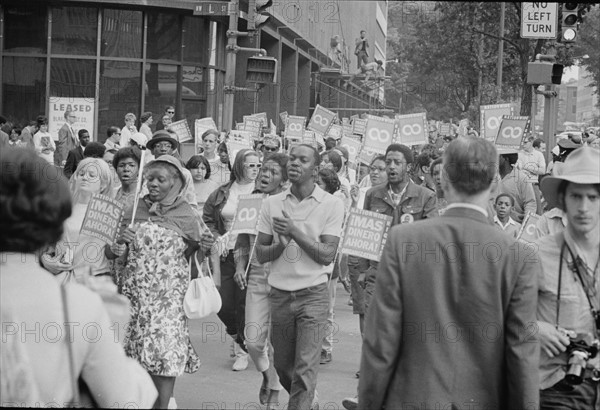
(500, 54)
(230, 62)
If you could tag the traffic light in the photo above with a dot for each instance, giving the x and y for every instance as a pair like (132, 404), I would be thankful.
(255, 17)
(570, 21)
(539, 73)
(261, 70)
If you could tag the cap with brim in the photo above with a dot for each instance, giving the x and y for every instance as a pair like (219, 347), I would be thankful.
(582, 166)
(160, 136)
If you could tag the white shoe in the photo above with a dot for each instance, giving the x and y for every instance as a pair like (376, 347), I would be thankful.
(172, 403)
(241, 359)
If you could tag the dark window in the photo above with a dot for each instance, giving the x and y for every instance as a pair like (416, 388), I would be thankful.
(192, 78)
(23, 88)
(160, 89)
(74, 30)
(195, 39)
(164, 36)
(122, 33)
(26, 29)
(120, 84)
(72, 78)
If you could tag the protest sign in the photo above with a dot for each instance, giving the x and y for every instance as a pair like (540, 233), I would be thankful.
(200, 127)
(262, 116)
(319, 139)
(490, 119)
(321, 120)
(246, 215)
(102, 218)
(412, 129)
(359, 126)
(366, 156)
(82, 108)
(379, 133)
(294, 128)
(512, 131)
(527, 231)
(233, 147)
(182, 129)
(335, 132)
(353, 146)
(365, 234)
(309, 138)
(445, 129)
(253, 125)
(347, 130)
(242, 137)
(283, 116)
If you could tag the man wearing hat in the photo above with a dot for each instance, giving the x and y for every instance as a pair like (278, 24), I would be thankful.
(569, 286)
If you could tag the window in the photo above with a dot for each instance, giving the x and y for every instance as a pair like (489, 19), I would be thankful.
(74, 30)
(160, 89)
(26, 29)
(122, 33)
(72, 78)
(23, 88)
(164, 36)
(195, 35)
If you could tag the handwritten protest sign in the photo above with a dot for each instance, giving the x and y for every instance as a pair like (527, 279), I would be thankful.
(527, 231)
(246, 215)
(102, 218)
(182, 129)
(233, 147)
(365, 234)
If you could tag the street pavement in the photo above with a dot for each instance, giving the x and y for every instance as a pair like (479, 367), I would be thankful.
(216, 386)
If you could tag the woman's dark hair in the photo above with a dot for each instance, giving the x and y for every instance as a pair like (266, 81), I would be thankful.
(195, 161)
(335, 159)
(331, 180)
(237, 170)
(34, 202)
(281, 160)
(127, 152)
(42, 120)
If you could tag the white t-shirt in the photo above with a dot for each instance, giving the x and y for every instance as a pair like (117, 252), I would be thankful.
(228, 211)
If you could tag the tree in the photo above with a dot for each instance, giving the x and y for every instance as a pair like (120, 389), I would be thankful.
(588, 43)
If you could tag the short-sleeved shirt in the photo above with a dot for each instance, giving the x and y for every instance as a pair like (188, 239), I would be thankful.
(316, 215)
(512, 228)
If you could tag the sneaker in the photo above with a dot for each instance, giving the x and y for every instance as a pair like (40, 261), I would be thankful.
(325, 357)
(241, 359)
(172, 403)
(350, 403)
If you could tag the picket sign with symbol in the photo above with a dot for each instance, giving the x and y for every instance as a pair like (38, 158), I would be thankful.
(294, 128)
(353, 146)
(512, 131)
(527, 231)
(412, 129)
(233, 147)
(490, 119)
(379, 133)
(246, 215)
(321, 120)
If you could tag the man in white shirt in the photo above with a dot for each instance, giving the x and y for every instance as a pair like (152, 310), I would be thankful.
(114, 138)
(128, 130)
(533, 164)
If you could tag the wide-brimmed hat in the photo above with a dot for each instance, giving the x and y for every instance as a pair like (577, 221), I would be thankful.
(160, 136)
(582, 166)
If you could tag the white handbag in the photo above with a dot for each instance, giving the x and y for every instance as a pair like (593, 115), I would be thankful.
(202, 296)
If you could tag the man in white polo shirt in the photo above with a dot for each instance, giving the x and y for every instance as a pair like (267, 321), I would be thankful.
(298, 232)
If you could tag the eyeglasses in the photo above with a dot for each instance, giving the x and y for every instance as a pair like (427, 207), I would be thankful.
(271, 149)
(253, 165)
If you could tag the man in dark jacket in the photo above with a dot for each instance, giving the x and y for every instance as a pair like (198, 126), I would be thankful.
(76, 154)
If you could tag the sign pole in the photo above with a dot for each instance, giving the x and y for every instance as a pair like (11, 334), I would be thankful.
(230, 63)
(138, 186)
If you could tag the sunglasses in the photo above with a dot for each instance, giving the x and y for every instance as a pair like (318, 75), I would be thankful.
(253, 165)
(170, 112)
(271, 149)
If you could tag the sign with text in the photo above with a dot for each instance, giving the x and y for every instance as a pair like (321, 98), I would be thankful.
(365, 234)
(213, 8)
(512, 131)
(82, 108)
(347, 130)
(102, 218)
(335, 132)
(321, 120)
(309, 138)
(294, 128)
(359, 126)
(253, 125)
(527, 231)
(445, 129)
(241, 137)
(366, 156)
(539, 20)
(490, 119)
(412, 129)
(182, 129)
(200, 127)
(353, 146)
(233, 147)
(379, 133)
(246, 215)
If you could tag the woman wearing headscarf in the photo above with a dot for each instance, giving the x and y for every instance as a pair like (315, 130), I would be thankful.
(77, 255)
(164, 236)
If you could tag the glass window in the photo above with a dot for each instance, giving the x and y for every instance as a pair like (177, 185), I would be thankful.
(195, 35)
(160, 89)
(72, 78)
(120, 91)
(164, 36)
(74, 30)
(191, 81)
(122, 33)
(23, 88)
(26, 29)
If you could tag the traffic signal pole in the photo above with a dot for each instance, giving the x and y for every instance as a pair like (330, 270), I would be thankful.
(230, 62)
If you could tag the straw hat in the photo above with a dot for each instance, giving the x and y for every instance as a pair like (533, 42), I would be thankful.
(582, 166)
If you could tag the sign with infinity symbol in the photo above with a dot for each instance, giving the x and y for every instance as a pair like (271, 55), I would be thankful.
(246, 215)
(412, 129)
(379, 133)
(353, 146)
(294, 127)
(490, 119)
(321, 120)
(527, 231)
(512, 131)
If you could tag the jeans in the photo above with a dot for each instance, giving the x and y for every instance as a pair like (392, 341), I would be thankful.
(356, 266)
(585, 396)
(330, 329)
(258, 324)
(361, 58)
(298, 327)
(233, 310)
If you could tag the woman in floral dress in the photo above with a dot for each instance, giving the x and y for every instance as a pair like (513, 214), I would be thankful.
(156, 277)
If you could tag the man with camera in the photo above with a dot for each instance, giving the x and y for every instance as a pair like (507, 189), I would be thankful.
(569, 288)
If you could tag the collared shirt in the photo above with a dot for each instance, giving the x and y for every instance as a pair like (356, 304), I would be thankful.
(469, 206)
(111, 145)
(512, 228)
(574, 311)
(219, 172)
(516, 185)
(533, 164)
(316, 215)
(550, 223)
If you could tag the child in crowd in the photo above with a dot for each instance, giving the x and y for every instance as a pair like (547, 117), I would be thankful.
(502, 220)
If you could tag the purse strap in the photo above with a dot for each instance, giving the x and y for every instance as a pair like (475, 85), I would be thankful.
(74, 384)
(199, 265)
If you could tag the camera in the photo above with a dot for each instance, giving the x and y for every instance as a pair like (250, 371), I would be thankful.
(578, 353)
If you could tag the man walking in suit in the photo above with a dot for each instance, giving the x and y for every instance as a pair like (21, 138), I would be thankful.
(76, 154)
(452, 321)
(66, 138)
